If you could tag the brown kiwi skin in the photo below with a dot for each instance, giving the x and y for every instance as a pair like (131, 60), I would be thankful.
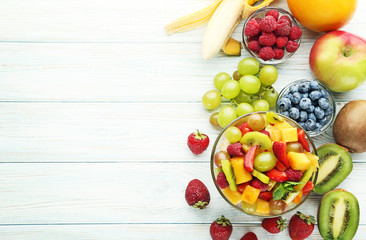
(352, 135)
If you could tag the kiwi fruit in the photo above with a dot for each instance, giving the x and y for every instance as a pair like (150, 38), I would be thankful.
(229, 174)
(272, 118)
(257, 138)
(335, 164)
(338, 215)
(261, 176)
(350, 125)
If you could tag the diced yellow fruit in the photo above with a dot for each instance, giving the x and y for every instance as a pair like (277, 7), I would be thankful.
(262, 206)
(313, 158)
(271, 184)
(250, 194)
(232, 47)
(298, 161)
(283, 125)
(234, 197)
(274, 133)
(241, 175)
(289, 134)
(298, 198)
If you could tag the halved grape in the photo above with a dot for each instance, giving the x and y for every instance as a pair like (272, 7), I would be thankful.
(220, 79)
(211, 99)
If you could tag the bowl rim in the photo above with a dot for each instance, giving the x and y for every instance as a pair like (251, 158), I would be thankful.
(262, 10)
(212, 164)
(330, 96)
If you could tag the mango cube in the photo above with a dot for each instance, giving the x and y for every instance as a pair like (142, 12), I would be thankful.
(250, 194)
(313, 158)
(289, 134)
(262, 206)
(241, 175)
(298, 198)
(283, 125)
(298, 161)
(274, 133)
(234, 197)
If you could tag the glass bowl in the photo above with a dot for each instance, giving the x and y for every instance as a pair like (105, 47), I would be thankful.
(260, 13)
(220, 144)
(331, 117)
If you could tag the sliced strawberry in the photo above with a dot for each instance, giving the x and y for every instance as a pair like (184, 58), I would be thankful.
(244, 128)
(258, 184)
(279, 149)
(249, 158)
(266, 132)
(266, 196)
(241, 187)
(308, 187)
(280, 167)
(301, 138)
(277, 175)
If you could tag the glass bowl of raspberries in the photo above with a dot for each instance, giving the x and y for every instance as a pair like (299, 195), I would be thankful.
(309, 103)
(271, 35)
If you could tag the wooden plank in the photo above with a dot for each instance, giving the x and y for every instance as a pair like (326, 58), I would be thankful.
(140, 232)
(124, 193)
(105, 132)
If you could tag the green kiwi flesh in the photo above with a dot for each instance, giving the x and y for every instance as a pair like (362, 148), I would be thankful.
(335, 164)
(262, 177)
(257, 138)
(338, 215)
(229, 174)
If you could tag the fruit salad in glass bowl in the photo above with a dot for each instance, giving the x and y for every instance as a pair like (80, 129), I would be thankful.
(264, 164)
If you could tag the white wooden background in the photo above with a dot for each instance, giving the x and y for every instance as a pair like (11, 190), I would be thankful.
(96, 103)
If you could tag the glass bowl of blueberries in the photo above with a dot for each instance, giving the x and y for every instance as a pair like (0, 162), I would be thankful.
(309, 103)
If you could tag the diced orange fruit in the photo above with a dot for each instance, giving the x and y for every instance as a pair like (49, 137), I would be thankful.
(298, 161)
(241, 175)
(298, 198)
(283, 125)
(262, 206)
(274, 133)
(313, 158)
(250, 194)
(289, 134)
(234, 197)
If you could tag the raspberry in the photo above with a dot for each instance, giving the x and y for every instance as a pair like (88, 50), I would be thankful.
(266, 53)
(256, 183)
(294, 175)
(252, 28)
(273, 13)
(283, 28)
(235, 150)
(268, 24)
(281, 41)
(292, 46)
(256, 38)
(285, 18)
(258, 20)
(295, 33)
(267, 39)
(279, 53)
(222, 181)
(254, 46)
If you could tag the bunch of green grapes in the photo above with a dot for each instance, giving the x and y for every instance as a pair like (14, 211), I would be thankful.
(249, 90)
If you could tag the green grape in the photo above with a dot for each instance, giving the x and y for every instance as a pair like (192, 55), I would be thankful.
(248, 66)
(230, 89)
(243, 97)
(294, 147)
(277, 207)
(250, 84)
(220, 79)
(265, 161)
(256, 122)
(233, 134)
(211, 99)
(219, 156)
(262, 89)
(270, 95)
(226, 115)
(261, 105)
(237, 76)
(268, 75)
(244, 108)
(213, 120)
(248, 208)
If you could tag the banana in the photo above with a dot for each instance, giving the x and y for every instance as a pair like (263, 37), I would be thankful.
(193, 20)
(232, 47)
(249, 8)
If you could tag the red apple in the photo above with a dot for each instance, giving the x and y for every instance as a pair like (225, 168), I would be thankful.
(338, 60)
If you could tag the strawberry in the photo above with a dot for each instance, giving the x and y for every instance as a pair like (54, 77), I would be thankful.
(277, 175)
(197, 194)
(244, 128)
(301, 226)
(221, 229)
(266, 132)
(279, 150)
(266, 196)
(198, 142)
(308, 187)
(274, 225)
(249, 236)
(249, 159)
(241, 187)
(280, 167)
(301, 139)
(256, 183)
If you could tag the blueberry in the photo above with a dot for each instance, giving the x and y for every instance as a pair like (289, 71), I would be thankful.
(294, 88)
(311, 116)
(319, 113)
(286, 113)
(315, 95)
(295, 98)
(304, 95)
(323, 121)
(284, 104)
(303, 116)
(310, 125)
(318, 127)
(294, 113)
(314, 85)
(305, 103)
(302, 124)
(324, 93)
(328, 111)
(311, 109)
(304, 87)
(323, 103)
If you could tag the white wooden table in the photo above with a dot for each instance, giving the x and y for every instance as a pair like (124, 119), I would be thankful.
(96, 103)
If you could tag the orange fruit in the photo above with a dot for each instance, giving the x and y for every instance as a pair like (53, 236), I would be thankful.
(322, 15)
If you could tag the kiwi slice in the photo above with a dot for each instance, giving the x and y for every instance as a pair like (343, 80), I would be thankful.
(229, 174)
(338, 215)
(273, 118)
(257, 138)
(335, 164)
(261, 176)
